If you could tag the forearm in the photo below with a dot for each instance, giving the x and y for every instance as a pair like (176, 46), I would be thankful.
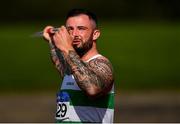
(57, 58)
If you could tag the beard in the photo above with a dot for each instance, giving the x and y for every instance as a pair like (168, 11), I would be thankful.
(83, 48)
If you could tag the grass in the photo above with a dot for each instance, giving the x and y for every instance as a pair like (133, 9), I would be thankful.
(144, 56)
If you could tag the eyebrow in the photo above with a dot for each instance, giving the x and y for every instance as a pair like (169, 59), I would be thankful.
(82, 27)
(77, 27)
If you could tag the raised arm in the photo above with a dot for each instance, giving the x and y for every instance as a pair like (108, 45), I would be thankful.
(56, 55)
(57, 59)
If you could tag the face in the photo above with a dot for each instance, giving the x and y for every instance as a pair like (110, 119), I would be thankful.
(81, 29)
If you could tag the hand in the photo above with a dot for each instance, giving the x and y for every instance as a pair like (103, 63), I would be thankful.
(63, 40)
(48, 33)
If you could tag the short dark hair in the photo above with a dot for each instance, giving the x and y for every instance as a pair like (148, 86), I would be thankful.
(76, 12)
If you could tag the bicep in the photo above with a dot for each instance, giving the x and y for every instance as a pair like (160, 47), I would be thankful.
(103, 70)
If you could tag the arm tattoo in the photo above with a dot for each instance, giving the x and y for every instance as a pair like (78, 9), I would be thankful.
(58, 59)
(103, 69)
(98, 72)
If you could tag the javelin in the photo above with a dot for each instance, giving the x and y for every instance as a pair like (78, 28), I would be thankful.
(40, 33)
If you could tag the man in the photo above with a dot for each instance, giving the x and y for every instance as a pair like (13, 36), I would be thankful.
(86, 93)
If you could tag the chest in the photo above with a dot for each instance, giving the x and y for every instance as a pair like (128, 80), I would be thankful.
(69, 83)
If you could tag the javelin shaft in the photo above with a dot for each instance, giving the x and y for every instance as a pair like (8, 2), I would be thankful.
(40, 33)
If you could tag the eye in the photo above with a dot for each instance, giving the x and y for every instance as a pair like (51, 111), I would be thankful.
(82, 28)
(69, 28)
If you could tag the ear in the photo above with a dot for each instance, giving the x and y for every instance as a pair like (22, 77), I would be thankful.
(96, 34)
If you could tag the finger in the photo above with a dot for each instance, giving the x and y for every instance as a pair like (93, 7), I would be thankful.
(46, 35)
(58, 34)
(64, 28)
(48, 29)
(63, 31)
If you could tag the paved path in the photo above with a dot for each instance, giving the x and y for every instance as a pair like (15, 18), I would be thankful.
(148, 107)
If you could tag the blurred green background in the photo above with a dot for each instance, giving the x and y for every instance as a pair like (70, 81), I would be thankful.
(141, 39)
(144, 55)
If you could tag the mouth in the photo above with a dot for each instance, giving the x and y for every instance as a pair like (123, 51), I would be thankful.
(76, 42)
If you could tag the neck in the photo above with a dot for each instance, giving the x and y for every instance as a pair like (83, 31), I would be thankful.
(92, 52)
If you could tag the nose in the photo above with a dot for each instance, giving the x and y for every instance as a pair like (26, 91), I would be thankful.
(75, 32)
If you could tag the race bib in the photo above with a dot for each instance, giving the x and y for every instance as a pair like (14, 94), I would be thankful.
(63, 100)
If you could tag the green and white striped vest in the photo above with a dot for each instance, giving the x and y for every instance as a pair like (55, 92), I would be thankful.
(74, 106)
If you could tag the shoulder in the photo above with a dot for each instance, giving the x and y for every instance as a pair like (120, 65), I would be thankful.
(101, 66)
(100, 61)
